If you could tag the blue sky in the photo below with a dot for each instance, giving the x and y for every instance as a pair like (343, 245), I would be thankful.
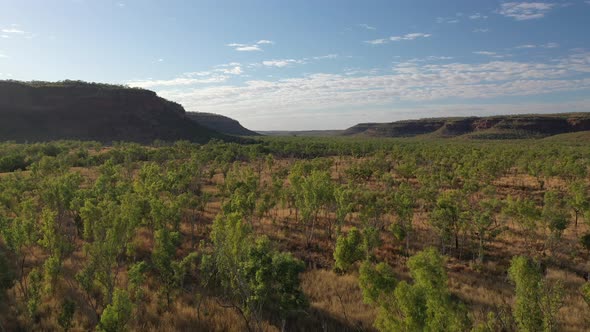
(294, 65)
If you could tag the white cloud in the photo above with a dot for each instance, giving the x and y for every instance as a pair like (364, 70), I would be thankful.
(13, 31)
(450, 20)
(148, 84)
(409, 36)
(477, 16)
(120, 4)
(264, 41)
(409, 82)
(522, 11)
(550, 45)
(3, 56)
(323, 57)
(492, 54)
(250, 47)
(481, 30)
(377, 41)
(428, 59)
(528, 46)
(218, 74)
(281, 63)
(236, 70)
(366, 26)
(484, 53)
(244, 47)
(231, 64)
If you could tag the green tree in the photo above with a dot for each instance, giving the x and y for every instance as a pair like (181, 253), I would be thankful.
(447, 218)
(348, 250)
(66, 315)
(117, 314)
(376, 282)
(537, 302)
(555, 217)
(425, 305)
(402, 206)
(20, 234)
(526, 213)
(485, 225)
(35, 290)
(316, 191)
(251, 276)
(171, 271)
(577, 200)
(344, 197)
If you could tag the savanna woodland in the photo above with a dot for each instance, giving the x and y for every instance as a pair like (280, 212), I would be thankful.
(295, 234)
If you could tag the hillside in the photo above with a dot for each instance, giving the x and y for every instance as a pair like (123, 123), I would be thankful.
(492, 127)
(306, 133)
(220, 123)
(42, 111)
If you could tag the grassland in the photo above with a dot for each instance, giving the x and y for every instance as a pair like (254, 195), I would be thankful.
(373, 169)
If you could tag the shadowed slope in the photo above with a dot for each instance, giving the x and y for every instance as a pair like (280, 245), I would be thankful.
(41, 111)
(493, 127)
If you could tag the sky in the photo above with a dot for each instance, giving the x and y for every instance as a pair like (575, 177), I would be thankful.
(313, 64)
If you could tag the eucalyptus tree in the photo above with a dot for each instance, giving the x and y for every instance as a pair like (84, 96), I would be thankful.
(344, 197)
(316, 193)
(251, 276)
(537, 301)
(555, 217)
(109, 228)
(20, 234)
(402, 207)
(424, 305)
(117, 314)
(372, 207)
(526, 213)
(197, 205)
(171, 272)
(448, 217)
(242, 189)
(578, 199)
(484, 222)
(348, 250)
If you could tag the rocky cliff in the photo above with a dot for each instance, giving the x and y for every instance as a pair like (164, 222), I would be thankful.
(220, 123)
(493, 127)
(42, 111)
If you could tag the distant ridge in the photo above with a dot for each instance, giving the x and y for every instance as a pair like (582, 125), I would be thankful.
(491, 127)
(220, 123)
(44, 111)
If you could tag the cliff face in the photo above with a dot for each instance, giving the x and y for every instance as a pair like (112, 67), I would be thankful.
(220, 123)
(496, 127)
(85, 111)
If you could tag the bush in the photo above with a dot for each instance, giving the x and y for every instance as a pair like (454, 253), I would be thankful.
(115, 316)
(349, 250)
(13, 162)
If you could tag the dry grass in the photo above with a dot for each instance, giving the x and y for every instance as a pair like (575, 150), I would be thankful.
(335, 300)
